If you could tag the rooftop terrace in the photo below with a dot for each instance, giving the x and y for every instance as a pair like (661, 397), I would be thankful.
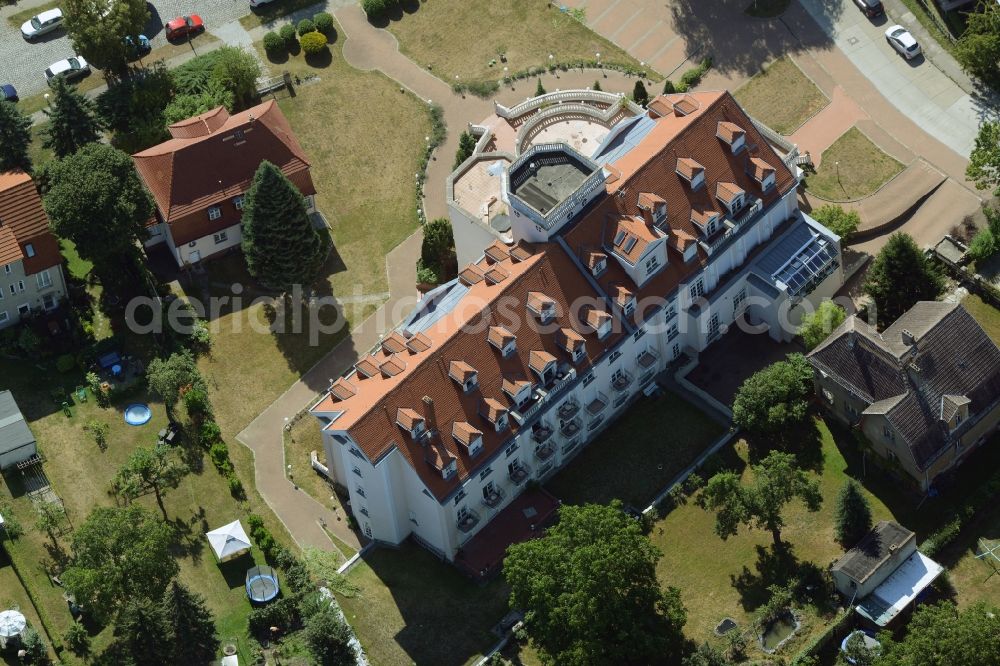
(547, 179)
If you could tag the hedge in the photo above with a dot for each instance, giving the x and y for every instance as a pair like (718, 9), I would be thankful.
(313, 42)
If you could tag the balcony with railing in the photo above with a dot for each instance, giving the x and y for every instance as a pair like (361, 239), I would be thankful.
(468, 520)
(519, 473)
(494, 498)
(598, 404)
(621, 382)
(570, 428)
(568, 409)
(565, 374)
(731, 227)
(541, 433)
(545, 451)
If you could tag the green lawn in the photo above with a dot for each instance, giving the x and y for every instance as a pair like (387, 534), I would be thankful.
(639, 454)
(852, 167)
(987, 315)
(413, 609)
(80, 473)
(38, 153)
(781, 97)
(461, 38)
(268, 13)
(18, 18)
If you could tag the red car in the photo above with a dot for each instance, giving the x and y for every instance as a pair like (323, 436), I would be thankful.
(184, 25)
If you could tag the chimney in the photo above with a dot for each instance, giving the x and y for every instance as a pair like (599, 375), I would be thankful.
(908, 338)
(429, 413)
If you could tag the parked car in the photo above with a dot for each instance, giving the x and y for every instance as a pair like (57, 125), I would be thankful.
(71, 68)
(184, 25)
(870, 8)
(900, 39)
(8, 93)
(257, 3)
(143, 47)
(42, 24)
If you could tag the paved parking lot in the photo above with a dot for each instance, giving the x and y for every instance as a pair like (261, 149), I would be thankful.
(23, 64)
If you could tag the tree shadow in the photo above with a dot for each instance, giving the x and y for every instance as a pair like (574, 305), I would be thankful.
(320, 60)
(802, 440)
(331, 35)
(278, 57)
(808, 583)
(708, 30)
(189, 536)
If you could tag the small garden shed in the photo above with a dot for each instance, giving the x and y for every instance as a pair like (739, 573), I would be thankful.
(16, 441)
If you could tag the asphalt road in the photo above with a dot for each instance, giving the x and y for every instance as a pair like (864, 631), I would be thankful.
(23, 63)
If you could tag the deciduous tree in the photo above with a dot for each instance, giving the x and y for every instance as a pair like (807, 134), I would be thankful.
(166, 377)
(774, 399)
(152, 469)
(984, 160)
(98, 29)
(978, 49)
(107, 224)
(836, 219)
(15, 138)
(854, 515)
(328, 638)
(899, 277)
(120, 554)
(190, 625)
(281, 246)
(237, 70)
(816, 326)
(73, 121)
(590, 592)
(941, 635)
(775, 482)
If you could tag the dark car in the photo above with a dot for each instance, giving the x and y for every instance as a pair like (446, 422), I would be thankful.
(184, 25)
(870, 8)
(140, 49)
(8, 93)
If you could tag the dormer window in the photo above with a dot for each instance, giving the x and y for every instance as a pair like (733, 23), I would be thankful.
(214, 213)
(731, 195)
(599, 321)
(733, 135)
(573, 343)
(440, 459)
(763, 173)
(238, 202)
(494, 411)
(579, 353)
(691, 171)
(543, 364)
(502, 340)
(655, 206)
(519, 391)
(464, 375)
(411, 421)
(468, 436)
(544, 307)
(597, 263)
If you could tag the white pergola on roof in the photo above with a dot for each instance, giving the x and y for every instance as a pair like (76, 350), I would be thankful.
(229, 541)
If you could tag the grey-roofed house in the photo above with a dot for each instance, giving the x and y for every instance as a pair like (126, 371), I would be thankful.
(16, 441)
(925, 391)
(884, 573)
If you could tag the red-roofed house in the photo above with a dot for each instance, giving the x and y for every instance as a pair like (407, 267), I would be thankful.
(199, 177)
(31, 279)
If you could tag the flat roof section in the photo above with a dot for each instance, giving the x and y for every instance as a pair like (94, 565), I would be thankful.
(478, 190)
(900, 589)
(545, 181)
(583, 135)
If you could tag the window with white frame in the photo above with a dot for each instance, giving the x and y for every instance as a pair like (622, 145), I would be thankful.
(43, 279)
(7, 269)
(214, 213)
(672, 332)
(238, 202)
(887, 432)
(20, 286)
(24, 308)
(713, 327)
(739, 299)
(368, 530)
(578, 352)
(220, 237)
(697, 289)
(48, 301)
(652, 264)
(675, 350)
(670, 312)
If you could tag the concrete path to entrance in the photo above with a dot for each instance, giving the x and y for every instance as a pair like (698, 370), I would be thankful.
(819, 132)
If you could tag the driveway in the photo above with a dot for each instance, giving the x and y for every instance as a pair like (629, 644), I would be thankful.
(23, 64)
(916, 88)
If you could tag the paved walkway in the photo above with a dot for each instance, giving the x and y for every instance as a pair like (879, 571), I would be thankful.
(819, 132)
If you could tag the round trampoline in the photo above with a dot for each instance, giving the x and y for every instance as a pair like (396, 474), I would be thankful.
(138, 414)
(262, 584)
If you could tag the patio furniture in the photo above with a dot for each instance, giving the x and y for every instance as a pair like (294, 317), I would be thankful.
(116, 371)
(80, 394)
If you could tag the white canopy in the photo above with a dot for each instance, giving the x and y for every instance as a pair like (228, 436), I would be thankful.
(229, 541)
(12, 623)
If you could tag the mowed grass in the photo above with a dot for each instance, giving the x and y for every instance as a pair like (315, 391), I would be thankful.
(706, 568)
(17, 19)
(269, 13)
(987, 315)
(781, 97)
(461, 38)
(413, 609)
(364, 140)
(80, 473)
(852, 167)
(639, 454)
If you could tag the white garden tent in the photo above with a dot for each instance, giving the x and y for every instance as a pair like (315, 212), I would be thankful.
(229, 541)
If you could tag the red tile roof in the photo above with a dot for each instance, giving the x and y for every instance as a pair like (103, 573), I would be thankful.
(500, 336)
(649, 201)
(407, 417)
(688, 168)
(23, 221)
(461, 371)
(342, 389)
(464, 334)
(629, 236)
(465, 432)
(728, 191)
(538, 360)
(650, 167)
(394, 343)
(760, 169)
(728, 131)
(212, 158)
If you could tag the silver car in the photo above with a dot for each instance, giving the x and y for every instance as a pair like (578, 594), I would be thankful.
(42, 24)
(71, 68)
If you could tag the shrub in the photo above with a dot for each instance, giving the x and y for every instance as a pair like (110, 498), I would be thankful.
(273, 42)
(11, 527)
(99, 431)
(65, 363)
(32, 644)
(836, 219)
(235, 486)
(668, 87)
(306, 26)
(287, 33)
(283, 613)
(377, 7)
(197, 404)
(323, 22)
(209, 434)
(313, 42)
(219, 453)
(77, 639)
(426, 274)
